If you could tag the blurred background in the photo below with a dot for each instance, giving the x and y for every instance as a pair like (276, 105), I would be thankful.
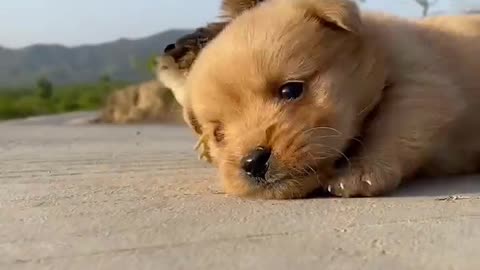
(61, 56)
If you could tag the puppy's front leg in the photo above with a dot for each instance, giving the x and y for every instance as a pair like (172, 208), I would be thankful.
(409, 121)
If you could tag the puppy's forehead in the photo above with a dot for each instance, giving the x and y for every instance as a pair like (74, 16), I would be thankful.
(259, 50)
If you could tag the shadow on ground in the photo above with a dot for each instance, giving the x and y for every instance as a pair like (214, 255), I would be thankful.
(458, 185)
(436, 187)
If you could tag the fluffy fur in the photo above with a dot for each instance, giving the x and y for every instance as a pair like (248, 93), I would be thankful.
(406, 93)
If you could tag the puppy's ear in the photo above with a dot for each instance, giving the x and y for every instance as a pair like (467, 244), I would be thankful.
(187, 47)
(233, 8)
(340, 14)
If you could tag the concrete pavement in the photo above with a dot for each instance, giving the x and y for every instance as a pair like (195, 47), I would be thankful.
(135, 197)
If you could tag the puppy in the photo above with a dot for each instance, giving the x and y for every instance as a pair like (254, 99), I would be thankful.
(295, 96)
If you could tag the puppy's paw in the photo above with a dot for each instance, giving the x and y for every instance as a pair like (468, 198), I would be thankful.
(362, 181)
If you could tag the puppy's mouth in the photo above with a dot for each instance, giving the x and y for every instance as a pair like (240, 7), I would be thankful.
(275, 174)
(277, 177)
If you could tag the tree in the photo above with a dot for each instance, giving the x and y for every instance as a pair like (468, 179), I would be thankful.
(105, 79)
(152, 64)
(44, 88)
(426, 5)
(467, 6)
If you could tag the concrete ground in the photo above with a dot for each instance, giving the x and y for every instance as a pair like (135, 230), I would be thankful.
(135, 197)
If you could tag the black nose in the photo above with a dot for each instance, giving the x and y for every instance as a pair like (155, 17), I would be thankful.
(255, 164)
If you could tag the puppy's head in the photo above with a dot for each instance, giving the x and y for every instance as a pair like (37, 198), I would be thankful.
(281, 92)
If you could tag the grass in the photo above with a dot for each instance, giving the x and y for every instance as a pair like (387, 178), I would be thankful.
(25, 102)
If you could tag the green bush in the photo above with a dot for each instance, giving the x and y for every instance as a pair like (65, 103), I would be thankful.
(17, 103)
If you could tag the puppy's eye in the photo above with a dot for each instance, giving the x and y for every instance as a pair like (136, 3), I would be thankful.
(291, 90)
(218, 134)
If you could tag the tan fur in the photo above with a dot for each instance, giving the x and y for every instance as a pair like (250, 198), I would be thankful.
(409, 89)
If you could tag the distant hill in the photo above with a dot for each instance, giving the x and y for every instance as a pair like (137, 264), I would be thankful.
(124, 60)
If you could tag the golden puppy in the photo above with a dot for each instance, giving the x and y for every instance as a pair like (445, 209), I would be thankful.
(293, 96)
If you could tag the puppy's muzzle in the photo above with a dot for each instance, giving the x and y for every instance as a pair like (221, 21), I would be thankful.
(256, 163)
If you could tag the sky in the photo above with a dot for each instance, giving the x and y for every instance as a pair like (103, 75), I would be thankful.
(79, 22)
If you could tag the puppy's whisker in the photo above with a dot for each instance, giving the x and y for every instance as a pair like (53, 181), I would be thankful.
(314, 172)
(329, 136)
(296, 143)
(321, 158)
(368, 107)
(338, 152)
(323, 128)
(360, 142)
(303, 148)
(310, 156)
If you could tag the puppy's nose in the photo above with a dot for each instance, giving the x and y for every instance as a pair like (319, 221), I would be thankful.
(255, 164)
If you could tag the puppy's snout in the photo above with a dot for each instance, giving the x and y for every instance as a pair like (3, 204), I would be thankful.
(256, 164)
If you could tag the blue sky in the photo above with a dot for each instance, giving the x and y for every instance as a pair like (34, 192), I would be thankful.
(75, 22)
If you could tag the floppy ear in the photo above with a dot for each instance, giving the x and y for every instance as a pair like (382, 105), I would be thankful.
(233, 8)
(340, 14)
(168, 73)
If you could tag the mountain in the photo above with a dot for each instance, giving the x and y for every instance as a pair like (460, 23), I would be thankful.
(124, 60)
